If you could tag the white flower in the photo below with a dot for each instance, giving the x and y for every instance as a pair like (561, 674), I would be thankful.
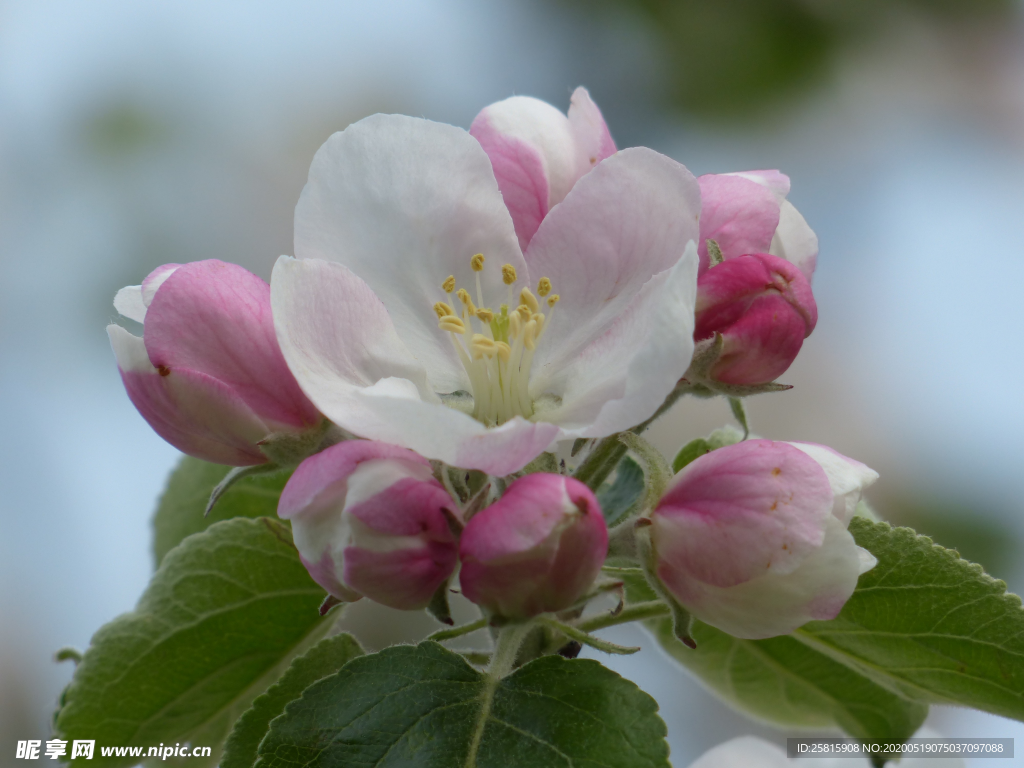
(411, 316)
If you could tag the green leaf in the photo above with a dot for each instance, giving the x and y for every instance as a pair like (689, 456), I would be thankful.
(424, 706)
(784, 682)
(221, 617)
(928, 625)
(618, 497)
(692, 450)
(323, 659)
(180, 510)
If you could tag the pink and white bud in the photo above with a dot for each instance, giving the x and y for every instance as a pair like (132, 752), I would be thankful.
(538, 153)
(752, 538)
(763, 307)
(537, 549)
(207, 373)
(748, 212)
(369, 519)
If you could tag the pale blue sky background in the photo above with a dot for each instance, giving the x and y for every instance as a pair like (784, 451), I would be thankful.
(909, 166)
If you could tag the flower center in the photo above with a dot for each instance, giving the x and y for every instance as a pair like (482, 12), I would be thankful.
(496, 347)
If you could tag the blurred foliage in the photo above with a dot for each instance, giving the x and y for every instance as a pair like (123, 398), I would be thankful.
(123, 128)
(980, 538)
(730, 58)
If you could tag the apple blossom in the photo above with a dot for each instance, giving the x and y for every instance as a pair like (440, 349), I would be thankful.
(538, 153)
(369, 519)
(763, 307)
(751, 538)
(748, 213)
(535, 550)
(207, 373)
(411, 315)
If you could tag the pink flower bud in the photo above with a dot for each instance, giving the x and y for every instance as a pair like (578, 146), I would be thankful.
(763, 307)
(208, 374)
(368, 520)
(748, 212)
(536, 550)
(752, 538)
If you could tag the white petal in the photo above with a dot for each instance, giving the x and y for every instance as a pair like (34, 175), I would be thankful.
(795, 241)
(405, 202)
(128, 302)
(624, 222)
(155, 279)
(744, 752)
(622, 376)
(130, 350)
(847, 477)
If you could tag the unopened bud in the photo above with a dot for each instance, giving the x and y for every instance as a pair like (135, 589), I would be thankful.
(763, 308)
(369, 519)
(537, 549)
(751, 538)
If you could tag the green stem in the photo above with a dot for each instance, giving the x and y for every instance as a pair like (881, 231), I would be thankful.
(465, 629)
(573, 633)
(502, 660)
(637, 612)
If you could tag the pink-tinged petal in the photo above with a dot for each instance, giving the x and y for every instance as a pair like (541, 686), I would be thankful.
(624, 222)
(215, 317)
(623, 375)
(339, 342)
(155, 279)
(519, 170)
(745, 752)
(404, 203)
(737, 513)
(195, 413)
(847, 477)
(324, 573)
(739, 214)
(405, 579)
(322, 479)
(795, 241)
(776, 604)
(537, 549)
(776, 181)
(590, 132)
(128, 303)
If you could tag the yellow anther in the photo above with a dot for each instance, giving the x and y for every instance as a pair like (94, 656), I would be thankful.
(449, 284)
(504, 351)
(508, 274)
(485, 315)
(443, 310)
(544, 287)
(515, 324)
(463, 295)
(539, 320)
(530, 335)
(481, 346)
(553, 299)
(526, 297)
(477, 262)
(452, 324)
(524, 310)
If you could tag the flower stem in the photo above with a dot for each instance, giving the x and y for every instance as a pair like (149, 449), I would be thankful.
(574, 633)
(465, 629)
(638, 612)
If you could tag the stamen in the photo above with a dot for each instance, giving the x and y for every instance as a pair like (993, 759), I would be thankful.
(443, 310)
(504, 351)
(481, 346)
(530, 335)
(449, 284)
(553, 299)
(526, 297)
(515, 325)
(477, 262)
(463, 295)
(524, 310)
(508, 274)
(539, 320)
(544, 287)
(485, 315)
(452, 324)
